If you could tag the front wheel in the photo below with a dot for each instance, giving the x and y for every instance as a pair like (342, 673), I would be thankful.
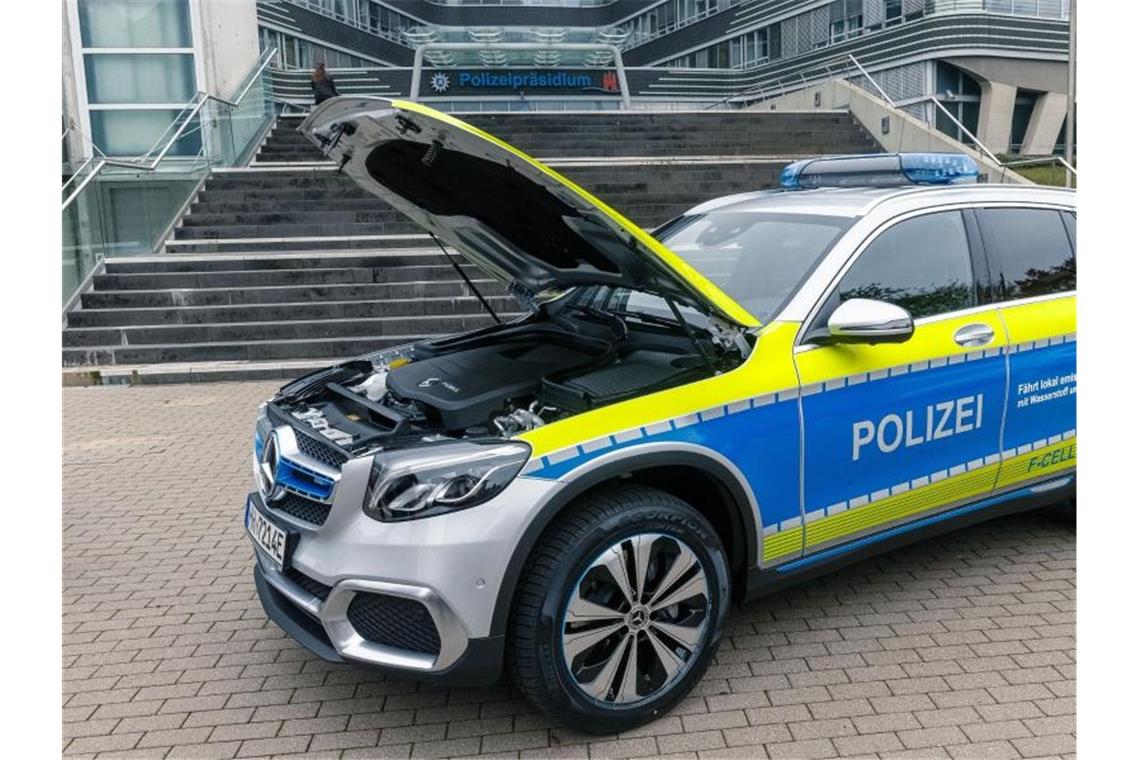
(620, 610)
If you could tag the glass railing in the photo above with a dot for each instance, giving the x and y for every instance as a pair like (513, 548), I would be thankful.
(125, 207)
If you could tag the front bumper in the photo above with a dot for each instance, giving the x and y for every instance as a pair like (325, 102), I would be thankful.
(480, 662)
(451, 566)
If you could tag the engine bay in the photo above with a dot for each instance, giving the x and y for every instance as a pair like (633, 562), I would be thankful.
(563, 359)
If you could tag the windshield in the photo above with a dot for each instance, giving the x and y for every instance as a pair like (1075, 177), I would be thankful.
(758, 259)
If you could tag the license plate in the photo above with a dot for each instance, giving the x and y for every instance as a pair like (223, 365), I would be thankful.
(265, 534)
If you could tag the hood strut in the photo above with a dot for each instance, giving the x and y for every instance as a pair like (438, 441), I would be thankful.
(467, 280)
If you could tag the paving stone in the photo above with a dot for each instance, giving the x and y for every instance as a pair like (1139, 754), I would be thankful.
(966, 640)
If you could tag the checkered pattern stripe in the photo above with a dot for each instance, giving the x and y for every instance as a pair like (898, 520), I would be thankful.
(589, 448)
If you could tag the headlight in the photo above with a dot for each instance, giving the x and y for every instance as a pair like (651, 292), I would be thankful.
(439, 478)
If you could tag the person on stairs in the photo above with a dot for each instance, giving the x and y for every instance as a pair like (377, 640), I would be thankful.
(323, 85)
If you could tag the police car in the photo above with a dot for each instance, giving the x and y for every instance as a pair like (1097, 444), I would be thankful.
(772, 385)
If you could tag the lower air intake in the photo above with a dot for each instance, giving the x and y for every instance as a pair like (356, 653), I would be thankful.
(395, 622)
(303, 509)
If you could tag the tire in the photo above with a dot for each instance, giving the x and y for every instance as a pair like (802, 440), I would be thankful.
(578, 672)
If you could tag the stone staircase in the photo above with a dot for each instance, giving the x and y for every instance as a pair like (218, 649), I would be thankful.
(286, 264)
(638, 133)
(270, 309)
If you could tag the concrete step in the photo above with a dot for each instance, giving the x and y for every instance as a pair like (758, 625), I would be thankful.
(382, 217)
(238, 203)
(149, 335)
(238, 246)
(274, 294)
(299, 276)
(291, 230)
(285, 312)
(242, 350)
(311, 260)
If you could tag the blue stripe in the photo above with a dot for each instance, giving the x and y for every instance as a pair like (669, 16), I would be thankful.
(933, 519)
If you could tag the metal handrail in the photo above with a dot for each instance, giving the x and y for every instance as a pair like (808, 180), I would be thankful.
(1044, 160)
(199, 100)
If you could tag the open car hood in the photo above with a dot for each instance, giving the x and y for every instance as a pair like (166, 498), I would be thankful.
(514, 217)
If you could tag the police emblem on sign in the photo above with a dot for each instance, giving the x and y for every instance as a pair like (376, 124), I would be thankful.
(440, 82)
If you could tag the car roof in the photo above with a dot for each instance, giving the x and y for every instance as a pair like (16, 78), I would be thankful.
(858, 201)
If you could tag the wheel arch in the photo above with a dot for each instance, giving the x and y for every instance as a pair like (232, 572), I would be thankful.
(683, 470)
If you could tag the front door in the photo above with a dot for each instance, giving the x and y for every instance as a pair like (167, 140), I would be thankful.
(893, 431)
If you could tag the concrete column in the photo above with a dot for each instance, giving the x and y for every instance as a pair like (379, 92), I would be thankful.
(995, 119)
(227, 46)
(77, 148)
(1045, 124)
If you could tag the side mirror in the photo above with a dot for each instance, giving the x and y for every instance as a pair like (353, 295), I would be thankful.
(861, 320)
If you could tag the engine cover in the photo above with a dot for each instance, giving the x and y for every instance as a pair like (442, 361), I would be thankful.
(468, 387)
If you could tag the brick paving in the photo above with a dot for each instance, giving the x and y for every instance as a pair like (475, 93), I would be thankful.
(961, 647)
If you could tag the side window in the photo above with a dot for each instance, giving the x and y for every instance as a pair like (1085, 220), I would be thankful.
(1033, 251)
(922, 265)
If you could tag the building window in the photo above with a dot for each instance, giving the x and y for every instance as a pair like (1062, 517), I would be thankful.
(139, 77)
(134, 23)
(847, 28)
(961, 95)
(138, 68)
(892, 12)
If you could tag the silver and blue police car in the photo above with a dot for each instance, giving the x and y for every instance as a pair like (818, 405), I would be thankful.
(772, 385)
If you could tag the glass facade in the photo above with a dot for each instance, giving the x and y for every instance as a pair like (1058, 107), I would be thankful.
(749, 49)
(138, 67)
(135, 23)
(362, 14)
(139, 78)
(961, 95)
(838, 22)
(296, 53)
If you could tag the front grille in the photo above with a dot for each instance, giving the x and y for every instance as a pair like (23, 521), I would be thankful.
(322, 451)
(303, 509)
(394, 622)
(313, 586)
(319, 449)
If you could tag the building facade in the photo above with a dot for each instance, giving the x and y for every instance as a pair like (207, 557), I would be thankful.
(998, 66)
(131, 66)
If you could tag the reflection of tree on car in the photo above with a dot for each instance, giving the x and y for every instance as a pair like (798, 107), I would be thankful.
(1041, 281)
(932, 300)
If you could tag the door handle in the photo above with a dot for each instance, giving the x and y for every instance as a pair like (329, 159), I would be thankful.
(974, 335)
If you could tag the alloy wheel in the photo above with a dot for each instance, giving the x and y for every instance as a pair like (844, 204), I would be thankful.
(635, 619)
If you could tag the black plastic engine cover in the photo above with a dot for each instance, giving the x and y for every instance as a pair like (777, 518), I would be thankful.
(468, 387)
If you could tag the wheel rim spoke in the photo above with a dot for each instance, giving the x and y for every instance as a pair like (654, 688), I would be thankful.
(615, 609)
(584, 611)
(600, 687)
(688, 635)
(627, 692)
(670, 662)
(642, 548)
(614, 562)
(681, 564)
(690, 588)
(579, 641)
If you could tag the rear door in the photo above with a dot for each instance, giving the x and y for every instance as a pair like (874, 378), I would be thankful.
(894, 431)
(1034, 253)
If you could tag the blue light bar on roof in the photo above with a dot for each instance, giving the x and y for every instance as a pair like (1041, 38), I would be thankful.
(880, 170)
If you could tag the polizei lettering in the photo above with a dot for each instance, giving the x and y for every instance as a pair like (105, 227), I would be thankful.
(915, 427)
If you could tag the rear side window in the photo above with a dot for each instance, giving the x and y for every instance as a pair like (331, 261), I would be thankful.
(921, 264)
(1033, 252)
